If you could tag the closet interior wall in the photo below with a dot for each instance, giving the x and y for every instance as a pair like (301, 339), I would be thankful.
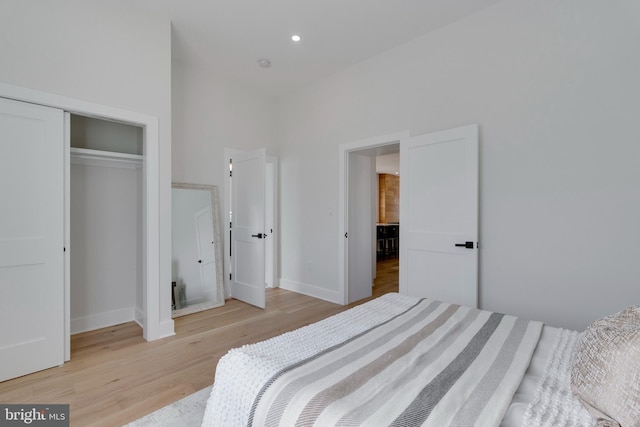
(106, 223)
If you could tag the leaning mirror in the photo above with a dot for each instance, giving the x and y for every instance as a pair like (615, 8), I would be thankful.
(196, 267)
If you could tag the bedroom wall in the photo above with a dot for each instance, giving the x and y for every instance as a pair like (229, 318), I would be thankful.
(104, 238)
(102, 53)
(553, 86)
(211, 113)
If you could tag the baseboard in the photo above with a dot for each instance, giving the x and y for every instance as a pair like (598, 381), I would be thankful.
(102, 320)
(166, 329)
(139, 317)
(274, 284)
(311, 290)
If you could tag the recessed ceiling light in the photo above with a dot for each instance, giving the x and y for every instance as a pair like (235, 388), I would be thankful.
(296, 38)
(264, 63)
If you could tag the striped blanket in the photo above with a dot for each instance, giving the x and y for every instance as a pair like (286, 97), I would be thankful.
(436, 364)
(394, 359)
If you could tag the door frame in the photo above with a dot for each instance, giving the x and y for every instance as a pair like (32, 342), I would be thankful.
(343, 202)
(154, 327)
(271, 243)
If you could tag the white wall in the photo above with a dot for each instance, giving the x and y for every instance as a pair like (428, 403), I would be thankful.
(101, 53)
(211, 113)
(553, 85)
(104, 239)
(95, 134)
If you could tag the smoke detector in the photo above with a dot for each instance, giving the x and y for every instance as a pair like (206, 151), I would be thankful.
(264, 63)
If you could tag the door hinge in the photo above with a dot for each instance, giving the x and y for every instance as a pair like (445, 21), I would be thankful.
(64, 249)
(230, 276)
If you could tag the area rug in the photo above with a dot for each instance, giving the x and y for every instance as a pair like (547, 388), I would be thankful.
(187, 412)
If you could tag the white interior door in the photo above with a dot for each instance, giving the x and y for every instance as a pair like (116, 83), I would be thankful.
(206, 253)
(248, 227)
(439, 216)
(31, 238)
(361, 225)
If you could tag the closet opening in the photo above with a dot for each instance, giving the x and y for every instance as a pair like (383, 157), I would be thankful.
(105, 224)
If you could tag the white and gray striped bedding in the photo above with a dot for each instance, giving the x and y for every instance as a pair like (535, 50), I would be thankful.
(421, 362)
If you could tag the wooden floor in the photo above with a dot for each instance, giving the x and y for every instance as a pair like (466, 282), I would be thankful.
(115, 376)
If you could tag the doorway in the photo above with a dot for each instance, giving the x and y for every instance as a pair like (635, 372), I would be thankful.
(387, 246)
(105, 223)
(439, 211)
(356, 245)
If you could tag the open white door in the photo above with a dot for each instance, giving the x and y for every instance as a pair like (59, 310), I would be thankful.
(439, 216)
(248, 227)
(31, 238)
(361, 225)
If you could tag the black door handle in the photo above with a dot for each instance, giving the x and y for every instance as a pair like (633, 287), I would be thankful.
(468, 245)
(200, 261)
(259, 235)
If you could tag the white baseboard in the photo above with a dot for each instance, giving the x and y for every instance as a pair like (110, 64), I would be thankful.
(166, 329)
(102, 320)
(311, 290)
(139, 319)
(274, 284)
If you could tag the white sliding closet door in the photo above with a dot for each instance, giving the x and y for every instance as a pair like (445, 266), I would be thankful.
(31, 238)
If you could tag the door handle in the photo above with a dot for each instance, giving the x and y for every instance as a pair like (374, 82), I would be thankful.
(259, 235)
(468, 245)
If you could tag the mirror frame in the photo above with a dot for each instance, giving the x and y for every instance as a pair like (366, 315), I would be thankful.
(217, 237)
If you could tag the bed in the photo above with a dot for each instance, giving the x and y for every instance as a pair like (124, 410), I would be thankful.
(403, 361)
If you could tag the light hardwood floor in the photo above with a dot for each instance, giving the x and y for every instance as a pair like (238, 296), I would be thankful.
(115, 376)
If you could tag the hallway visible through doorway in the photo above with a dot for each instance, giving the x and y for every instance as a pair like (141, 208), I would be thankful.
(387, 276)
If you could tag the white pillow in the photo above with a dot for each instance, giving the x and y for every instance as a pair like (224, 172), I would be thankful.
(606, 372)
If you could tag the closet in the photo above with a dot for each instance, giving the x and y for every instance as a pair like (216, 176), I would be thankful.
(105, 223)
(59, 275)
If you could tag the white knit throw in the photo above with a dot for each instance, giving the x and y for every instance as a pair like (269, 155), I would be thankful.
(554, 404)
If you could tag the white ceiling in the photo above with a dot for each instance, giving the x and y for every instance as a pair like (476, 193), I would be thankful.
(388, 163)
(230, 36)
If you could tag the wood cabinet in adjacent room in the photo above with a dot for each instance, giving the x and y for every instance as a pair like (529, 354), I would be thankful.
(388, 198)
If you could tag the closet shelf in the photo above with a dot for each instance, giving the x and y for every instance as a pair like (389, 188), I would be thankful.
(85, 156)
